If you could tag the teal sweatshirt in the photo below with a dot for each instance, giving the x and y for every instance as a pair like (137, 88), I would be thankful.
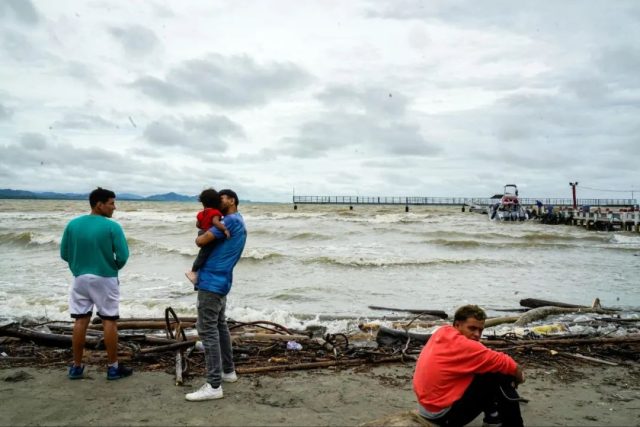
(93, 244)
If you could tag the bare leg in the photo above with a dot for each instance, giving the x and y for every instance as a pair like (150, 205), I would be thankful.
(78, 338)
(110, 329)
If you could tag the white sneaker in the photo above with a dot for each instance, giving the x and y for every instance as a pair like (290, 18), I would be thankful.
(206, 392)
(230, 377)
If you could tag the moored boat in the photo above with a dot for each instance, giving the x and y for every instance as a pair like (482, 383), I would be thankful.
(509, 207)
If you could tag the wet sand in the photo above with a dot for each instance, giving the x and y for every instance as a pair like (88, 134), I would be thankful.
(584, 396)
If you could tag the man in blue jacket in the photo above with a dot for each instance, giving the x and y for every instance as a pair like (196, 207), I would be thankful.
(215, 278)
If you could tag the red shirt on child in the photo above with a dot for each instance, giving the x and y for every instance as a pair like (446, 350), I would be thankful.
(205, 217)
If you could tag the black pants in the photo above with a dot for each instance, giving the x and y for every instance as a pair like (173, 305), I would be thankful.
(486, 393)
(203, 254)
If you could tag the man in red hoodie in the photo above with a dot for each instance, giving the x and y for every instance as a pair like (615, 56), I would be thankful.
(457, 377)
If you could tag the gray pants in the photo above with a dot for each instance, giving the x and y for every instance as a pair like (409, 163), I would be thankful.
(214, 333)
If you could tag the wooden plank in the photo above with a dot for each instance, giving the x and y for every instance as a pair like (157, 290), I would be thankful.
(437, 313)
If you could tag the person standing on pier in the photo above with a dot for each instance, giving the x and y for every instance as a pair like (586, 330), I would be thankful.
(215, 278)
(95, 249)
(457, 377)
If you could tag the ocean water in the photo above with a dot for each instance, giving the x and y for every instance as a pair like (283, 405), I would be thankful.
(322, 262)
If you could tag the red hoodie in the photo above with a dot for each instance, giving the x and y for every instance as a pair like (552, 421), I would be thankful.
(447, 364)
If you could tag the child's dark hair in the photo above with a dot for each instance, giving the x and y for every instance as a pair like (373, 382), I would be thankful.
(210, 198)
(100, 195)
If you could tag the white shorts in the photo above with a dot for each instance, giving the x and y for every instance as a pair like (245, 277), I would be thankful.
(88, 290)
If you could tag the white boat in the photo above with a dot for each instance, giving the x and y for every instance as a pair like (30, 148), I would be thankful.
(481, 209)
(509, 207)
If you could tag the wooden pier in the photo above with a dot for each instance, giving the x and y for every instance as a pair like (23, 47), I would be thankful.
(605, 220)
(450, 201)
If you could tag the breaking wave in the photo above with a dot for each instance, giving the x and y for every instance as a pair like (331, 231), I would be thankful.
(257, 255)
(381, 262)
(24, 238)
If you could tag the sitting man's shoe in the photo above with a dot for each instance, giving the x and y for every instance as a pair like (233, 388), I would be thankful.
(231, 377)
(206, 392)
(76, 372)
(491, 421)
(121, 371)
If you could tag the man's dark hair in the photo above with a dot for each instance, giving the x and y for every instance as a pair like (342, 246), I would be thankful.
(466, 311)
(210, 198)
(230, 193)
(100, 195)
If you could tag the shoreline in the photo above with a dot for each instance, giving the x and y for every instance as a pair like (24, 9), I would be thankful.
(583, 395)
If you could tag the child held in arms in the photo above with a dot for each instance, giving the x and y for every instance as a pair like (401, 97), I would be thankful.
(209, 217)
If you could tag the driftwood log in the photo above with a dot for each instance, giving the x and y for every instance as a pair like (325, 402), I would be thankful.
(176, 345)
(634, 338)
(97, 320)
(44, 338)
(589, 358)
(143, 324)
(542, 312)
(495, 321)
(314, 365)
(535, 303)
(268, 337)
(437, 313)
(178, 367)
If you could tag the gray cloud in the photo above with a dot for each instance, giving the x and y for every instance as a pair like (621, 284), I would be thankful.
(81, 121)
(33, 141)
(233, 81)
(620, 65)
(71, 168)
(18, 46)
(24, 47)
(167, 131)
(598, 40)
(34, 150)
(136, 40)
(161, 11)
(75, 167)
(82, 72)
(364, 134)
(6, 172)
(5, 112)
(366, 120)
(162, 91)
(22, 10)
(206, 132)
(537, 93)
(542, 19)
(370, 101)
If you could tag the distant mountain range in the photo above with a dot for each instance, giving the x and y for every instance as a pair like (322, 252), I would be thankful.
(7, 193)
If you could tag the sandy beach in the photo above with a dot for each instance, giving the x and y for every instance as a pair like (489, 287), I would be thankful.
(584, 396)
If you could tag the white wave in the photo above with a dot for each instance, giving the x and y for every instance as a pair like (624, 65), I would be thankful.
(259, 254)
(284, 216)
(157, 217)
(43, 239)
(292, 321)
(19, 306)
(626, 239)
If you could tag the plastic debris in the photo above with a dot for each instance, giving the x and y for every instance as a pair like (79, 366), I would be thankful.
(293, 345)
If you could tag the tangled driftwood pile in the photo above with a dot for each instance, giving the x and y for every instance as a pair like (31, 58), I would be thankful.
(171, 343)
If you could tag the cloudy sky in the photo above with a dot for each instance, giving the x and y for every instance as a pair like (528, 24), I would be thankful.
(380, 98)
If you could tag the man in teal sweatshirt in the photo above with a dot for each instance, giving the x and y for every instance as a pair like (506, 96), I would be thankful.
(95, 249)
